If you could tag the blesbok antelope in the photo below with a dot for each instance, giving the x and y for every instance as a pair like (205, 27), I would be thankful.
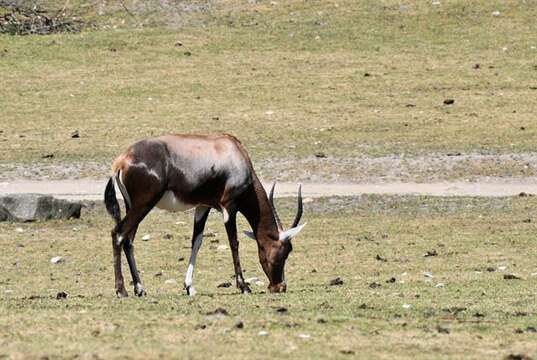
(180, 172)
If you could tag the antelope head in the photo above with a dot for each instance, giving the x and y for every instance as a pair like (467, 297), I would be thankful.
(274, 253)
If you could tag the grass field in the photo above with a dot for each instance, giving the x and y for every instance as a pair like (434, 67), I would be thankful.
(291, 79)
(317, 91)
(473, 313)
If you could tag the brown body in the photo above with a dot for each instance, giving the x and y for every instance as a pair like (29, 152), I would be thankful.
(179, 172)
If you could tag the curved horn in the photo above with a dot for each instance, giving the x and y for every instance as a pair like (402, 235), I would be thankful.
(271, 202)
(299, 211)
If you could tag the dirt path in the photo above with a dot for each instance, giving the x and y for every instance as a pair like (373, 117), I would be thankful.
(91, 189)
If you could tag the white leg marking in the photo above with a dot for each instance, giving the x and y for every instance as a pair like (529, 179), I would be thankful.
(190, 272)
(119, 240)
(138, 288)
(225, 214)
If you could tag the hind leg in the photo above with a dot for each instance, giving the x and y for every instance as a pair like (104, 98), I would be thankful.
(128, 248)
(125, 235)
(144, 191)
(118, 275)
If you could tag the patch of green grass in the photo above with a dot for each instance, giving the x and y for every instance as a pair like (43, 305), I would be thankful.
(478, 308)
(288, 79)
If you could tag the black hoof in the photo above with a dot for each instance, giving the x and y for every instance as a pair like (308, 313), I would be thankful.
(122, 293)
(245, 288)
(139, 290)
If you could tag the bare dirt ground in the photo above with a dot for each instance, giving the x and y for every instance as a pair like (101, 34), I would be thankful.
(362, 169)
(434, 174)
(91, 189)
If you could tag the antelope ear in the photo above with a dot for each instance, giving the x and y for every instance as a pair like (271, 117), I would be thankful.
(291, 233)
(249, 234)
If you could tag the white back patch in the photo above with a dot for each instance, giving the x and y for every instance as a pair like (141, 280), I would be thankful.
(171, 203)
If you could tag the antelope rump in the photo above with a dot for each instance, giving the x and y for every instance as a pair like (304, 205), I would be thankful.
(181, 172)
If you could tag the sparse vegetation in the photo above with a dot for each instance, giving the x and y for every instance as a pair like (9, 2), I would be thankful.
(291, 79)
(455, 304)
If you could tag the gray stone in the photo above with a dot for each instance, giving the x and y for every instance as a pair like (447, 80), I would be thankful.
(4, 214)
(32, 207)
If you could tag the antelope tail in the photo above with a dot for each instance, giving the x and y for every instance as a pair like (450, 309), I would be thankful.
(110, 200)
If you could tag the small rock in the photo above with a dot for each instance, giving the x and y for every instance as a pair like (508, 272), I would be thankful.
(304, 336)
(346, 352)
(158, 274)
(496, 13)
(200, 327)
(449, 102)
(218, 311)
(380, 258)
(502, 268)
(251, 280)
(187, 53)
(262, 333)
(320, 155)
(19, 230)
(146, 237)
(374, 285)
(431, 253)
(62, 295)
(442, 330)
(407, 306)
(517, 357)
(178, 44)
(335, 282)
(75, 134)
(391, 280)
(478, 314)
(476, 66)
(47, 156)
(491, 269)
(527, 221)
(170, 282)
(440, 285)
(56, 260)
(367, 74)
(167, 236)
(239, 325)
(511, 277)
(222, 247)
(428, 274)
(225, 284)
(282, 310)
